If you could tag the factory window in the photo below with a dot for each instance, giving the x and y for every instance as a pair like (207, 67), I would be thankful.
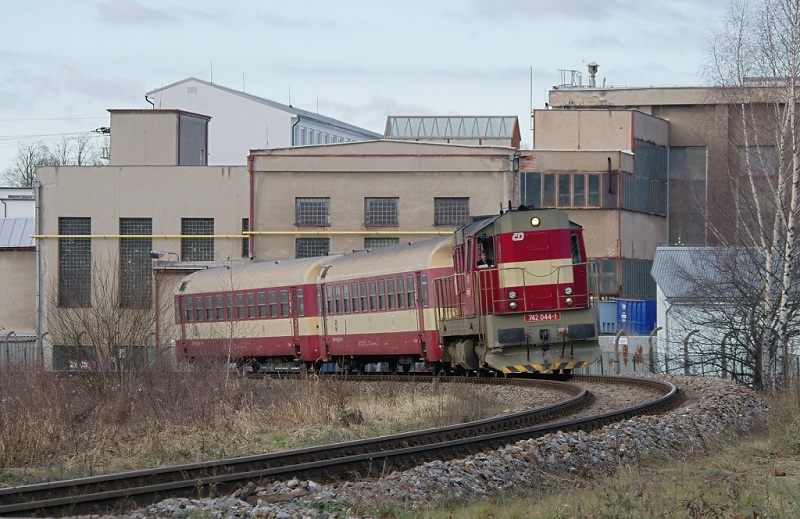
(311, 247)
(450, 210)
(549, 190)
(312, 211)
(376, 243)
(135, 272)
(564, 198)
(594, 190)
(74, 263)
(197, 249)
(381, 211)
(531, 189)
(246, 239)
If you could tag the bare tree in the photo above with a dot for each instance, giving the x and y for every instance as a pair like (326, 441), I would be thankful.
(755, 65)
(77, 150)
(109, 336)
(22, 172)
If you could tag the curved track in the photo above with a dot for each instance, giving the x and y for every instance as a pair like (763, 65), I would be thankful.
(360, 459)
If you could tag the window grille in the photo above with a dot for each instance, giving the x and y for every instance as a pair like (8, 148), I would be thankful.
(74, 263)
(380, 212)
(450, 211)
(376, 243)
(313, 211)
(135, 272)
(311, 247)
(197, 249)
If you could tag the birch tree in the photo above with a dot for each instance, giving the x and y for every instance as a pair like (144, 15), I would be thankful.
(755, 64)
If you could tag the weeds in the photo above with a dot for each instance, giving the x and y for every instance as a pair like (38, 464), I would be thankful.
(60, 425)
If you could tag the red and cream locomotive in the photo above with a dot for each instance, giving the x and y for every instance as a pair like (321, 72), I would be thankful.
(527, 307)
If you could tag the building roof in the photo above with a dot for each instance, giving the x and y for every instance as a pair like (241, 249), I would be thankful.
(322, 119)
(15, 233)
(474, 127)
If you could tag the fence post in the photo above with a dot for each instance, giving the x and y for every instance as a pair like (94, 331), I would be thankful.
(686, 352)
(616, 352)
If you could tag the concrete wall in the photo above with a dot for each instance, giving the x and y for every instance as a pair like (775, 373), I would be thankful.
(18, 289)
(416, 173)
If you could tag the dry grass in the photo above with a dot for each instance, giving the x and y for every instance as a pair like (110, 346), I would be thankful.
(55, 426)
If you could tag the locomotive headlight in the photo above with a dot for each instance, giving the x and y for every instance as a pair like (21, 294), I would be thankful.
(569, 302)
(512, 305)
(568, 291)
(535, 221)
(512, 294)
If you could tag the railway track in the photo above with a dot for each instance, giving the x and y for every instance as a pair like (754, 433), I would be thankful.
(359, 459)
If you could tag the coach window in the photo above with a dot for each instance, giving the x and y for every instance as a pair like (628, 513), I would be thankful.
(354, 297)
(240, 306)
(209, 308)
(410, 288)
(423, 289)
(220, 308)
(338, 291)
(177, 311)
(346, 297)
(229, 304)
(198, 309)
(401, 293)
(262, 305)
(251, 305)
(300, 303)
(273, 304)
(189, 307)
(373, 296)
(390, 292)
(364, 306)
(381, 294)
(284, 303)
(329, 299)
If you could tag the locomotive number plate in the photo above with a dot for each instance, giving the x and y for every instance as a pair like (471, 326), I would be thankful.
(548, 316)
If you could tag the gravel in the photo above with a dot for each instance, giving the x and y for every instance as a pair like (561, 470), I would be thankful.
(712, 408)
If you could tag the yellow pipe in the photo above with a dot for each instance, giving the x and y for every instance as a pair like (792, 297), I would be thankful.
(244, 234)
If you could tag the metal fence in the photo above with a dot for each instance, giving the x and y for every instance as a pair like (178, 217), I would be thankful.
(19, 349)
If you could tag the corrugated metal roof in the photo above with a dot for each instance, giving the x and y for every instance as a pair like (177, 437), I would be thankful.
(695, 272)
(15, 233)
(329, 121)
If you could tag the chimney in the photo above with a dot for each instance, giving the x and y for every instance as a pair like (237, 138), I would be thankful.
(592, 73)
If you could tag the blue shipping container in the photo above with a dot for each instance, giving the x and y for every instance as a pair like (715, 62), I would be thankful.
(636, 316)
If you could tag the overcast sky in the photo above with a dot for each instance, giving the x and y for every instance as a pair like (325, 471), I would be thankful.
(63, 63)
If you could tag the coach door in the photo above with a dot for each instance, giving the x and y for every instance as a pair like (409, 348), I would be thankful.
(420, 298)
(296, 310)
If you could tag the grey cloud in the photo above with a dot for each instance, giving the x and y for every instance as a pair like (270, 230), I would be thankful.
(130, 12)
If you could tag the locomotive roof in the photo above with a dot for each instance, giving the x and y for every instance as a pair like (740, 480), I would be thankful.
(251, 275)
(419, 255)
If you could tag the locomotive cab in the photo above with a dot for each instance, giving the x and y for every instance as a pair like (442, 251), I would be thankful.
(531, 309)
